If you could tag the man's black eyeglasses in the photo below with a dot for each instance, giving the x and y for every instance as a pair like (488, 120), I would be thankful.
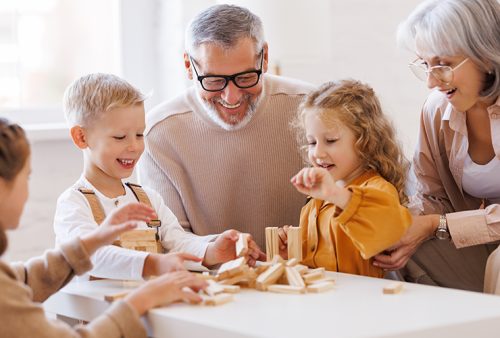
(216, 83)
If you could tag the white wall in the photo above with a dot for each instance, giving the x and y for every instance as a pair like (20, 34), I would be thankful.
(315, 40)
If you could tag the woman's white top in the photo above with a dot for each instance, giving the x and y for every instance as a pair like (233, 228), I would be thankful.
(482, 181)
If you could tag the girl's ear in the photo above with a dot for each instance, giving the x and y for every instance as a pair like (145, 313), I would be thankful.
(79, 137)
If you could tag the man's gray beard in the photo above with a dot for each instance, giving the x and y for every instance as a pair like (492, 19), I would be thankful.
(213, 114)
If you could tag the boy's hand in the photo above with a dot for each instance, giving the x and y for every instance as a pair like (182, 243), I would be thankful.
(318, 183)
(223, 249)
(166, 289)
(159, 264)
(283, 241)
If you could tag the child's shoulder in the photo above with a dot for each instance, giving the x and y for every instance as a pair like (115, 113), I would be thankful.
(374, 180)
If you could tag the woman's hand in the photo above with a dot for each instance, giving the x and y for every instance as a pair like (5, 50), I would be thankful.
(117, 222)
(223, 249)
(166, 289)
(159, 264)
(396, 257)
(319, 183)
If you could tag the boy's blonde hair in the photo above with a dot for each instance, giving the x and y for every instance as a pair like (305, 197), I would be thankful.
(89, 96)
(355, 105)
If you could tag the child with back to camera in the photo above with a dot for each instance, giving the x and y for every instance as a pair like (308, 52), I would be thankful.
(355, 180)
(26, 285)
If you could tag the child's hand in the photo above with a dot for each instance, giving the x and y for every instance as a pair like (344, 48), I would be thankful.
(318, 183)
(283, 241)
(159, 264)
(130, 211)
(166, 289)
(223, 249)
(119, 221)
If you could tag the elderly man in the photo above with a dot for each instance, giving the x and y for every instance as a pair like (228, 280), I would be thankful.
(222, 153)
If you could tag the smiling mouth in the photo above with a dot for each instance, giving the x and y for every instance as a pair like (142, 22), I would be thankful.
(325, 166)
(450, 91)
(126, 163)
(229, 106)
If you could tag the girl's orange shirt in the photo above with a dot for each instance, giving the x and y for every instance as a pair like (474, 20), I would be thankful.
(346, 240)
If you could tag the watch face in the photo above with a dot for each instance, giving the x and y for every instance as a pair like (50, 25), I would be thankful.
(442, 234)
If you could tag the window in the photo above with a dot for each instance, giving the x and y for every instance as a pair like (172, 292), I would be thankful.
(46, 44)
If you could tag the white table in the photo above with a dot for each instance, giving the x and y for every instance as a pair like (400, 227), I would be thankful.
(355, 308)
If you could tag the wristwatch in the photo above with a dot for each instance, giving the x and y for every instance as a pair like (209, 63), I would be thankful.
(442, 231)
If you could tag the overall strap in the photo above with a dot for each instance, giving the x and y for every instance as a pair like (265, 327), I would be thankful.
(142, 197)
(95, 205)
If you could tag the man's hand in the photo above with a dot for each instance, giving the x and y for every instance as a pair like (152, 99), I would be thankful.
(223, 249)
(396, 257)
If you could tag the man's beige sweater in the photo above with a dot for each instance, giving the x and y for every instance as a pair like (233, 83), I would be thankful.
(24, 286)
(214, 179)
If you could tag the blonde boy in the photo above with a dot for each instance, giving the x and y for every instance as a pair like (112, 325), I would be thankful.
(107, 120)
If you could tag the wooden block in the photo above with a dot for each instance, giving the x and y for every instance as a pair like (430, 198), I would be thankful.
(221, 298)
(231, 268)
(301, 269)
(115, 296)
(139, 235)
(213, 288)
(322, 280)
(294, 240)
(205, 275)
(312, 276)
(231, 288)
(294, 278)
(320, 287)
(235, 279)
(272, 242)
(279, 288)
(270, 276)
(242, 245)
(393, 288)
(316, 270)
(292, 262)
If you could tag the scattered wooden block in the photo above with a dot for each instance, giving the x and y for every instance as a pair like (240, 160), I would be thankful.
(231, 288)
(116, 296)
(292, 262)
(231, 268)
(242, 245)
(294, 240)
(279, 288)
(221, 298)
(312, 276)
(322, 280)
(235, 279)
(393, 288)
(320, 287)
(294, 278)
(213, 288)
(270, 276)
(301, 269)
(272, 242)
(205, 275)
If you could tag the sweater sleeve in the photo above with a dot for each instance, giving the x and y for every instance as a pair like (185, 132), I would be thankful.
(21, 314)
(50, 272)
(374, 219)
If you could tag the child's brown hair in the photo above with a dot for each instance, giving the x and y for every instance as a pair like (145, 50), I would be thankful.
(355, 105)
(14, 151)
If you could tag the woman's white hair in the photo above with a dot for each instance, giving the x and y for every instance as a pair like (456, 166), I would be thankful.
(458, 27)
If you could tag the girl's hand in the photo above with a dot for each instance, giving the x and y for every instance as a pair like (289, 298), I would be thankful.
(166, 289)
(396, 257)
(119, 221)
(319, 183)
(283, 241)
(159, 264)
(223, 249)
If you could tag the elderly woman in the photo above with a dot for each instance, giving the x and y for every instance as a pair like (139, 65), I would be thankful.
(457, 160)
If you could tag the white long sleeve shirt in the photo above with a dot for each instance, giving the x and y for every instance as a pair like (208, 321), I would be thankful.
(74, 218)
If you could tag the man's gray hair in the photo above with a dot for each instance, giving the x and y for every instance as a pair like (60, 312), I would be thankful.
(224, 25)
(459, 27)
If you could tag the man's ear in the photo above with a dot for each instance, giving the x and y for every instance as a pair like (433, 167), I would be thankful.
(79, 137)
(265, 49)
(187, 65)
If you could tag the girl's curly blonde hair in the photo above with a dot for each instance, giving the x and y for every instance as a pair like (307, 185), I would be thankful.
(355, 105)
